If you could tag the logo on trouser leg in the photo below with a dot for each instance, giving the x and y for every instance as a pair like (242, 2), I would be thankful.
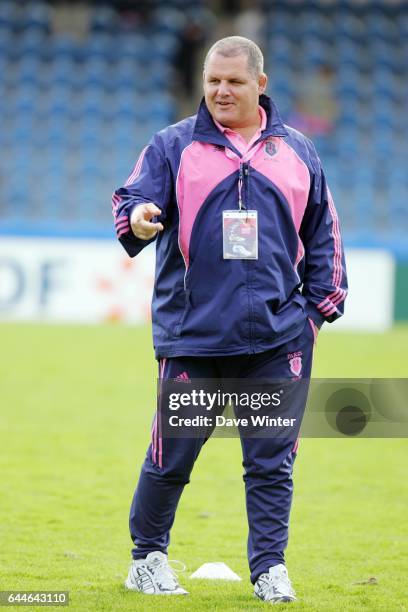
(295, 363)
(183, 377)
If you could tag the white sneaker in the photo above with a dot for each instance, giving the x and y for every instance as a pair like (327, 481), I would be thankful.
(275, 587)
(153, 576)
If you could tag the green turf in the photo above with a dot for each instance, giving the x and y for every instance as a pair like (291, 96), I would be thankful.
(76, 406)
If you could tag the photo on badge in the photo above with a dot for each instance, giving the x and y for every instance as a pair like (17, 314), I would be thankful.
(240, 234)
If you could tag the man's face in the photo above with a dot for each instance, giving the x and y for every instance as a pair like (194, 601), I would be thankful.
(231, 91)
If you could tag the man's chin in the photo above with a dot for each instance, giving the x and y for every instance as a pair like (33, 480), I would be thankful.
(227, 118)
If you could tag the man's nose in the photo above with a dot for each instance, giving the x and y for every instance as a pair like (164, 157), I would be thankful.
(223, 88)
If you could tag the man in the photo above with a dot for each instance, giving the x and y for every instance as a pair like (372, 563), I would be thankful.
(226, 312)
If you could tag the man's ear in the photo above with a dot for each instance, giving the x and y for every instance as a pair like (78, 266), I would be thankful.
(263, 80)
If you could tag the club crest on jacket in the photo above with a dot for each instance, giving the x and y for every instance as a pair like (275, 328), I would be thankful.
(270, 148)
(295, 363)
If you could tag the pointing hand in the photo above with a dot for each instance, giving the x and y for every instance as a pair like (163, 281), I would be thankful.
(140, 221)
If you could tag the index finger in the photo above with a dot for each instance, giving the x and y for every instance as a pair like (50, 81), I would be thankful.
(151, 210)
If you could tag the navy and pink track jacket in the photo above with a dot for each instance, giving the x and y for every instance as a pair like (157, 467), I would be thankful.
(204, 305)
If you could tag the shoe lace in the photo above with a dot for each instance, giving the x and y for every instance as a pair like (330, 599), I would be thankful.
(166, 574)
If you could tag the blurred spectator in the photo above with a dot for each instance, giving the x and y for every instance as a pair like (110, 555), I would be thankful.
(316, 108)
(249, 22)
(71, 19)
(134, 16)
(192, 39)
(227, 7)
(199, 26)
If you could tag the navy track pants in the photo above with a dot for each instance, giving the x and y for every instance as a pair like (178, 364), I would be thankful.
(268, 462)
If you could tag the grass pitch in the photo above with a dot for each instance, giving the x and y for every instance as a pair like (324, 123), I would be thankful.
(76, 408)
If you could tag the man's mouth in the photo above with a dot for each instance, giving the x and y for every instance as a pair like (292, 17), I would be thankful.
(224, 104)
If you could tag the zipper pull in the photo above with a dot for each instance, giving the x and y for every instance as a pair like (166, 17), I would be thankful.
(240, 180)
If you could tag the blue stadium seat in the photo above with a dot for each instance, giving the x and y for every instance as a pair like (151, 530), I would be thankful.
(8, 44)
(103, 19)
(61, 71)
(62, 47)
(168, 19)
(127, 105)
(101, 45)
(96, 72)
(313, 51)
(57, 104)
(384, 59)
(348, 26)
(135, 47)
(25, 99)
(316, 25)
(36, 17)
(28, 70)
(383, 112)
(280, 24)
(349, 90)
(163, 46)
(380, 27)
(351, 111)
(397, 195)
(162, 109)
(9, 14)
(281, 51)
(125, 75)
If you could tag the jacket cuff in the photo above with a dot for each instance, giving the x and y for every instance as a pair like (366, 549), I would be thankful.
(131, 243)
(316, 316)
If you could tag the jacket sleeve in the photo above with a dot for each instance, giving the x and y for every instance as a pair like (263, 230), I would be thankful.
(149, 181)
(324, 278)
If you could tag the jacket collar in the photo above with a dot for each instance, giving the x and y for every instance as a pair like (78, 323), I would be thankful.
(205, 129)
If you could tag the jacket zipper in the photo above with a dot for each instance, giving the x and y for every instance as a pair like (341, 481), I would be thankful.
(242, 180)
(244, 204)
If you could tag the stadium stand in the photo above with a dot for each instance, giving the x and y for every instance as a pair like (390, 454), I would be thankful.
(366, 153)
(76, 112)
(77, 109)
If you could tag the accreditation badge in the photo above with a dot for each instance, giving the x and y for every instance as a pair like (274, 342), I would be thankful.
(240, 234)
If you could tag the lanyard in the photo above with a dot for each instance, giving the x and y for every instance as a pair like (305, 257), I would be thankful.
(247, 156)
